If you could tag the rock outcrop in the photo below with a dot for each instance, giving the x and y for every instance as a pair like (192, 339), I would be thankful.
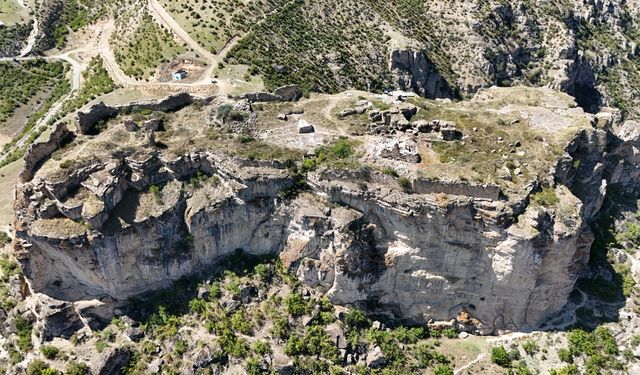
(123, 225)
(87, 121)
(413, 71)
(289, 93)
(39, 151)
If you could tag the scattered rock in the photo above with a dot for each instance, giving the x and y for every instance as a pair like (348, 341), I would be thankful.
(403, 150)
(282, 117)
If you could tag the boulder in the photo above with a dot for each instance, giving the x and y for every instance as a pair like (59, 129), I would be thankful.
(282, 117)
(57, 319)
(111, 361)
(450, 133)
(376, 358)
(153, 125)
(408, 111)
(130, 125)
(305, 128)
(337, 335)
(375, 116)
(289, 93)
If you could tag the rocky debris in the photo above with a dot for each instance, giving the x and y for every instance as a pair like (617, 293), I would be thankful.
(248, 294)
(394, 121)
(204, 357)
(283, 117)
(361, 107)
(376, 358)
(130, 125)
(290, 93)
(111, 361)
(57, 319)
(305, 128)
(467, 324)
(405, 150)
(87, 121)
(37, 152)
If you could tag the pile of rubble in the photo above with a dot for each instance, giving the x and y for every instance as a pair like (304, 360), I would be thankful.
(398, 120)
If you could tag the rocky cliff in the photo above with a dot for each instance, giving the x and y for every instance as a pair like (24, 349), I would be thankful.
(120, 223)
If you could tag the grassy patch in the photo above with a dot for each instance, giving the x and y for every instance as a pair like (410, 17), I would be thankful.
(97, 82)
(546, 197)
(147, 48)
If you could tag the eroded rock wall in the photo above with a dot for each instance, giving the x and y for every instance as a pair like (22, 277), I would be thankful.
(419, 256)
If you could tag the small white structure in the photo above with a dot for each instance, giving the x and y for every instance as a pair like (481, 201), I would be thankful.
(178, 75)
(305, 128)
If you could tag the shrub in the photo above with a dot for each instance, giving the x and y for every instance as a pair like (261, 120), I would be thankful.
(530, 347)
(296, 305)
(264, 271)
(261, 348)
(404, 183)
(442, 370)
(565, 355)
(546, 198)
(49, 351)
(181, 347)
(356, 319)
(75, 368)
(23, 327)
(66, 164)
(450, 332)
(390, 172)
(4, 238)
(39, 367)
(223, 112)
(500, 357)
(568, 370)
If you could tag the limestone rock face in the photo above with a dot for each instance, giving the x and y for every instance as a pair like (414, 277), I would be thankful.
(413, 71)
(442, 250)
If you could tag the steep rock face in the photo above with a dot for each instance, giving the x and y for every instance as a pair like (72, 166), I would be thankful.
(424, 260)
(146, 239)
(413, 71)
(134, 223)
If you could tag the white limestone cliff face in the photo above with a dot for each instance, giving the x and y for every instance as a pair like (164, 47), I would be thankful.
(508, 262)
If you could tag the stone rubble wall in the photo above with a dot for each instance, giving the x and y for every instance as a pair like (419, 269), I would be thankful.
(86, 121)
(425, 186)
(37, 152)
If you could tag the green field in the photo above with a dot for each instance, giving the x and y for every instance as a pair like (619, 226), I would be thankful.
(149, 47)
(213, 23)
(22, 81)
(11, 12)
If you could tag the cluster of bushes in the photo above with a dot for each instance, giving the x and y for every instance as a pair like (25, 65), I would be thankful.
(297, 322)
(97, 82)
(21, 81)
(149, 46)
(284, 48)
